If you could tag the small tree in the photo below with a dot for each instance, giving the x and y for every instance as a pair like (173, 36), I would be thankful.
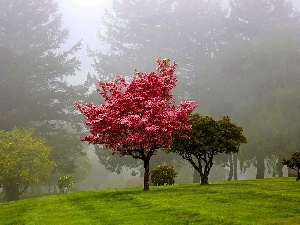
(24, 159)
(138, 117)
(293, 163)
(163, 175)
(65, 183)
(208, 138)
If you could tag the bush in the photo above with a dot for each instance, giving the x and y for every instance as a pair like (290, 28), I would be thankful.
(163, 175)
(65, 183)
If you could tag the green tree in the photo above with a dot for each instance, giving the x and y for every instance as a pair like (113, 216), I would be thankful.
(24, 159)
(208, 138)
(65, 183)
(33, 66)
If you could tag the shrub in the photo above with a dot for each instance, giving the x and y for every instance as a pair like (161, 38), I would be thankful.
(163, 175)
(65, 183)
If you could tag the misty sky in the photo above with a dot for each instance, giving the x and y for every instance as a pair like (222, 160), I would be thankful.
(83, 17)
(84, 20)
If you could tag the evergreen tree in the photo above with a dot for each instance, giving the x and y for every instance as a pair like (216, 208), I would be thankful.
(33, 72)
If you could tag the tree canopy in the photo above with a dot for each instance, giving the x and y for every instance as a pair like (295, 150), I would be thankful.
(138, 117)
(33, 66)
(24, 159)
(208, 138)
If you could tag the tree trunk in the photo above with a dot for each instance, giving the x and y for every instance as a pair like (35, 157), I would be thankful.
(12, 192)
(146, 174)
(235, 166)
(298, 175)
(230, 175)
(260, 173)
(61, 190)
(204, 179)
(196, 177)
(204, 175)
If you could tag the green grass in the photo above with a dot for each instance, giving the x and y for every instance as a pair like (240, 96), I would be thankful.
(268, 201)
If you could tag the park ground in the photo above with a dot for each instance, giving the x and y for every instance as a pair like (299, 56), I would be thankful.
(265, 201)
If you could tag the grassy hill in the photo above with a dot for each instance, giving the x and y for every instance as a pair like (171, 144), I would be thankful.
(268, 201)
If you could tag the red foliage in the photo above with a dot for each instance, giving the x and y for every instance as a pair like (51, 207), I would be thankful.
(137, 115)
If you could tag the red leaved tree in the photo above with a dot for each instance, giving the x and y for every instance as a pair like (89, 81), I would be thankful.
(138, 117)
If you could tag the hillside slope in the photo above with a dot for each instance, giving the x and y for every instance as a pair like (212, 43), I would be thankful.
(268, 201)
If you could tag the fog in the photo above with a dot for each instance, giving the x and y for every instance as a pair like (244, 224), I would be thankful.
(236, 58)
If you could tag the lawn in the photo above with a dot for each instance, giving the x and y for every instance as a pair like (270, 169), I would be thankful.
(267, 201)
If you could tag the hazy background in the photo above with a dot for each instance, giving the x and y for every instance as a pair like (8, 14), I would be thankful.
(237, 58)
(86, 22)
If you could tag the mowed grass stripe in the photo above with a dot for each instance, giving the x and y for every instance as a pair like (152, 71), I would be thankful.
(268, 201)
